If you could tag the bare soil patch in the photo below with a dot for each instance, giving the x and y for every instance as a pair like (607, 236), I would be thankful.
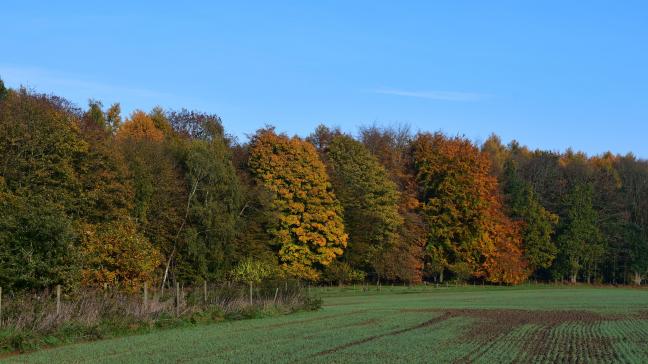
(541, 343)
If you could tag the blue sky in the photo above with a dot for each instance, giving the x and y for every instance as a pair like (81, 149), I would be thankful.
(551, 74)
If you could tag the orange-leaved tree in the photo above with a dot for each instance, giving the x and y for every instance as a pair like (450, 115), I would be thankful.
(140, 125)
(463, 210)
(309, 232)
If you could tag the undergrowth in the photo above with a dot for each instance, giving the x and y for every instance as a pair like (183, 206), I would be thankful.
(30, 321)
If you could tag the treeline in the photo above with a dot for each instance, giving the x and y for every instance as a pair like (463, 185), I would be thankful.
(88, 198)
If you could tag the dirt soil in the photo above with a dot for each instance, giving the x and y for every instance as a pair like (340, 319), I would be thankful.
(541, 343)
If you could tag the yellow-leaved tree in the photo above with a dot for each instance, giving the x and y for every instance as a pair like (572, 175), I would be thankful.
(115, 254)
(309, 231)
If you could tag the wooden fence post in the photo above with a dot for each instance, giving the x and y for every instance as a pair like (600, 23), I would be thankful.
(58, 299)
(145, 297)
(250, 294)
(177, 299)
(205, 290)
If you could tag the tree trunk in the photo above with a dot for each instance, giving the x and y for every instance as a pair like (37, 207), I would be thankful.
(573, 278)
(637, 278)
(166, 271)
(441, 277)
(175, 241)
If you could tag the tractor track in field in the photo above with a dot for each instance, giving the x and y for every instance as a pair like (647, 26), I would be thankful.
(304, 321)
(642, 315)
(427, 323)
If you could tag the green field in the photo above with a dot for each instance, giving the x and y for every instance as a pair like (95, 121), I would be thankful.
(464, 324)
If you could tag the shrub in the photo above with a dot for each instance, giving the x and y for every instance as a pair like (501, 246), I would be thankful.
(342, 272)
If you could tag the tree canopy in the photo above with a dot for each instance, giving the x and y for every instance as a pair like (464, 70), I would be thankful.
(88, 197)
(370, 201)
(309, 232)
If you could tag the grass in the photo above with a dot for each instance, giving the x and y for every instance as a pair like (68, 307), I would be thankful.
(400, 324)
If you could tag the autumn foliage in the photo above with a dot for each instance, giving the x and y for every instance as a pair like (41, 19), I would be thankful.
(117, 255)
(463, 209)
(140, 126)
(164, 197)
(309, 230)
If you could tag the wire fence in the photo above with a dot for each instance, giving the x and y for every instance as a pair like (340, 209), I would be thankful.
(47, 309)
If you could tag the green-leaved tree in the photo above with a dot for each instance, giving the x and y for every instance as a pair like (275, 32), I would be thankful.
(580, 240)
(370, 201)
(538, 223)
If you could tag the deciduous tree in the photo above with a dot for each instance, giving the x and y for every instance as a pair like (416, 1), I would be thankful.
(405, 260)
(215, 195)
(370, 201)
(538, 224)
(580, 240)
(115, 254)
(463, 209)
(310, 231)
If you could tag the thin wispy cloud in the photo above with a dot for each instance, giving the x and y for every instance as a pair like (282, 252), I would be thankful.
(43, 80)
(434, 95)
